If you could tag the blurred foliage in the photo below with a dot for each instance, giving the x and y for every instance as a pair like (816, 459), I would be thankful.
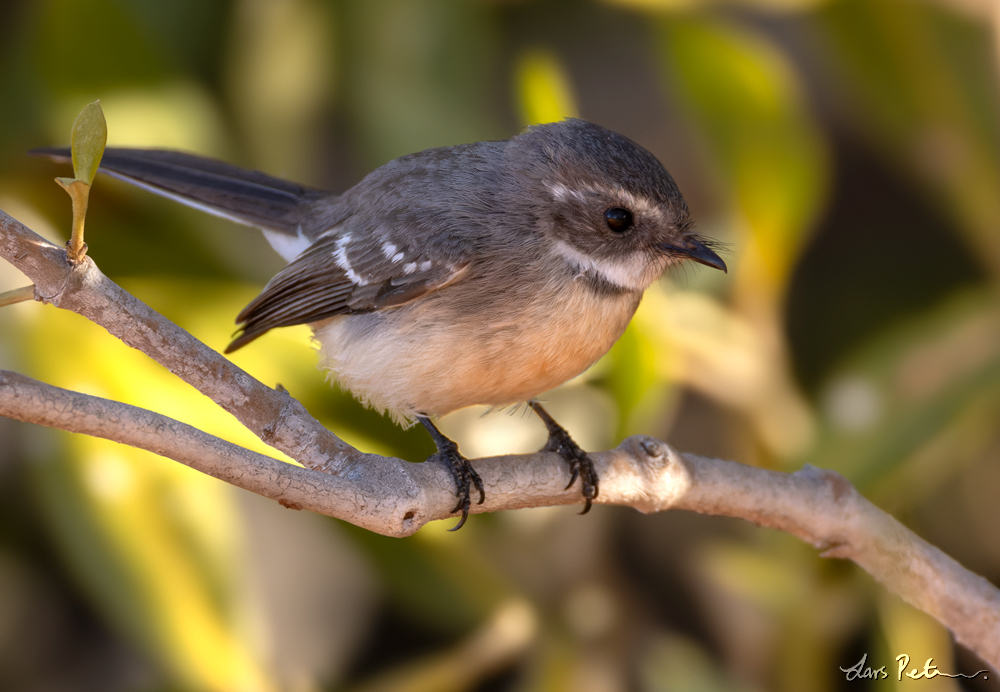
(847, 152)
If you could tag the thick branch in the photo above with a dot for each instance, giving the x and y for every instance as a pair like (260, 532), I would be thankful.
(396, 498)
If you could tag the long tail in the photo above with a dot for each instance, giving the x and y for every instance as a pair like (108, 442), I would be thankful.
(248, 197)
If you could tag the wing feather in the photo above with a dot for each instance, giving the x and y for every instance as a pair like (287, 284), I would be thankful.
(338, 277)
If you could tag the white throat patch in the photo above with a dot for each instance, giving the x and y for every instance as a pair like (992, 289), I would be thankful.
(630, 272)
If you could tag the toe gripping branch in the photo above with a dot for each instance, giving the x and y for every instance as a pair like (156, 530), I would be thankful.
(580, 465)
(461, 471)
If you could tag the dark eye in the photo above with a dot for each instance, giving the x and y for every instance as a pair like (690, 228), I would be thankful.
(618, 219)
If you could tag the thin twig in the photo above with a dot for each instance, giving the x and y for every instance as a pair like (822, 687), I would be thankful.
(17, 295)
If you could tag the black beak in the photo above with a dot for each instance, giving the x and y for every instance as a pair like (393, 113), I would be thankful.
(699, 252)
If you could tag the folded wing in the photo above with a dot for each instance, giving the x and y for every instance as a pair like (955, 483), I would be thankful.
(341, 276)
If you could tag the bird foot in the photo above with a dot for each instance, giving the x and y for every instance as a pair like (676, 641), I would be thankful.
(580, 464)
(461, 471)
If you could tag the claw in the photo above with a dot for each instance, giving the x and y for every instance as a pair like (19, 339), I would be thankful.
(572, 479)
(464, 504)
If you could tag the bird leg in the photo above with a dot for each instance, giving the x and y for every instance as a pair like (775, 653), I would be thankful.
(460, 469)
(580, 465)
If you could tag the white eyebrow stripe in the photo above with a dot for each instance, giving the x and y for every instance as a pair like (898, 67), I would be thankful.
(561, 193)
(628, 273)
(340, 257)
(640, 205)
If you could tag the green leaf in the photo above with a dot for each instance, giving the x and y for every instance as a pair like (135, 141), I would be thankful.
(90, 135)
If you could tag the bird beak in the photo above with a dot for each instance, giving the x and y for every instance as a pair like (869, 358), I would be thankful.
(699, 252)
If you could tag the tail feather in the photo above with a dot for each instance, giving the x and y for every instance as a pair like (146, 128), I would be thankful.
(248, 197)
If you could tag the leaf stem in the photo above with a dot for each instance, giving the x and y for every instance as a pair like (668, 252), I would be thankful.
(79, 192)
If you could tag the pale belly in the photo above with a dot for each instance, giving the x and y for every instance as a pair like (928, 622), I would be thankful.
(429, 363)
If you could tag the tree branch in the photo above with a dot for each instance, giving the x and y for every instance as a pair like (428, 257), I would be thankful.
(273, 415)
(396, 498)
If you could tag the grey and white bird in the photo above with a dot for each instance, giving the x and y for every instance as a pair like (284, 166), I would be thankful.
(485, 273)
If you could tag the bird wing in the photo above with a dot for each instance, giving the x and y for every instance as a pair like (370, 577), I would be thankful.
(341, 262)
(341, 274)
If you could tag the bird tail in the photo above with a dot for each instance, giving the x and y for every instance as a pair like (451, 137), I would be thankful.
(247, 197)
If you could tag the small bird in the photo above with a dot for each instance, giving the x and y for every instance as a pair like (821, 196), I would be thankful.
(484, 273)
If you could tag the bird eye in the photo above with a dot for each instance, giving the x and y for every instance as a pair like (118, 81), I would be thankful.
(618, 219)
